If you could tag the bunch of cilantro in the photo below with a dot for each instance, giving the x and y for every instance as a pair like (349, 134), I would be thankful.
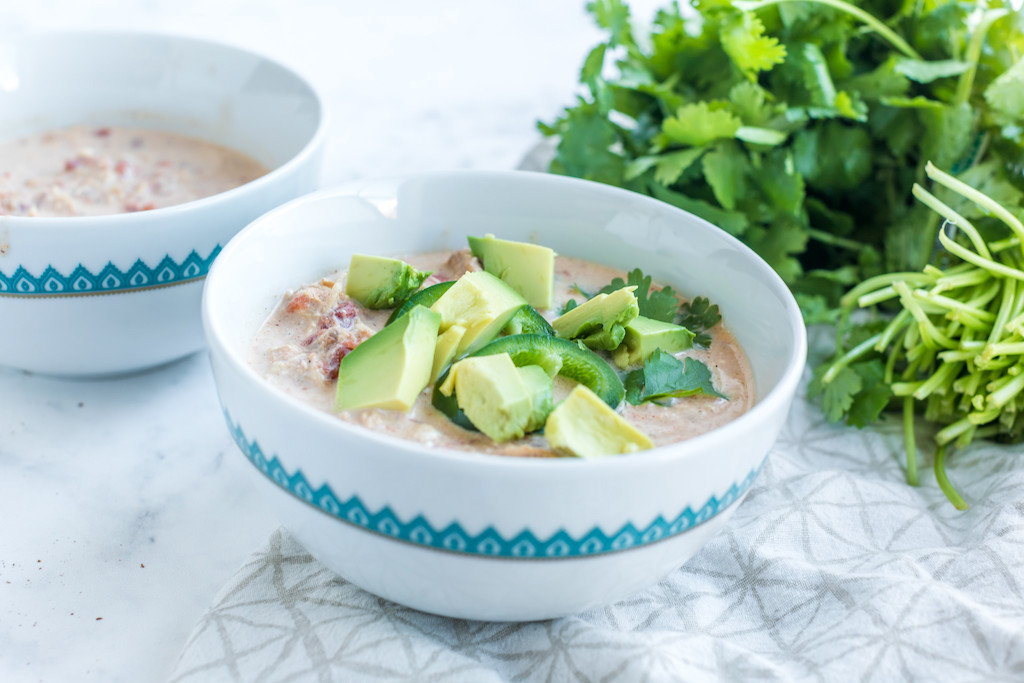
(800, 126)
(806, 128)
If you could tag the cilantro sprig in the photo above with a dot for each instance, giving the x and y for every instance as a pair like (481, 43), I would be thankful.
(657, 304)
(699, 316)
(664, 376)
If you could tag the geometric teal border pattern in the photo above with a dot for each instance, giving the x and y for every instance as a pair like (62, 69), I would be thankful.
(109, 280)
(487, 543)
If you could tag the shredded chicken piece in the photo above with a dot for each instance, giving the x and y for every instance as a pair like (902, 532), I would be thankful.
(333, 329)
(457, 265)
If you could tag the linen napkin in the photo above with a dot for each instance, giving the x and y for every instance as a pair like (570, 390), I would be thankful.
(832, 569)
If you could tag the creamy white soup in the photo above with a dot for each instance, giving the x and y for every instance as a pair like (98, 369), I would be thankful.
(99, 170)
(300, 346)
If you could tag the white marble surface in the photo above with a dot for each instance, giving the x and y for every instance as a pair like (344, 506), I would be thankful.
(123, 502)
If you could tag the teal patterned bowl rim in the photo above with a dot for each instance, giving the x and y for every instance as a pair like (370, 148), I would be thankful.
(109, 280)
(489, 543)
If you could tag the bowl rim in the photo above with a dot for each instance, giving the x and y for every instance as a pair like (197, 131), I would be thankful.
(118, 220)
(781, 393)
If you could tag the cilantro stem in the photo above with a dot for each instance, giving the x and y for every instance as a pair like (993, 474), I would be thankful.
(1006, 393)
(908, 440)
(938, 382)
(895, 326)
(951, 431)
(988, 264)
(933, 203)
(953, 304)
(850, 356)
(880, 281)
(1005, 348)
(835, 240)
(929, 333)
(872, 22)
(984, 201)
(966, 82)
(1005, 310)
(940, 476)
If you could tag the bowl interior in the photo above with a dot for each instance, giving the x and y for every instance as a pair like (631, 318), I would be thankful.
(316, 235)
(206, 90)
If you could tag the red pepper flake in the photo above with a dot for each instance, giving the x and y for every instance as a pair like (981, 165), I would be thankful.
(71, 164)
(99, 618)
(142, 565)
(121, 166)
(103, 132)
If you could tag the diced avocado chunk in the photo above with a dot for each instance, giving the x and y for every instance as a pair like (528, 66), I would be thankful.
(540, 387)
(583, 425)
(527, 268)
(380, 282)
(501, 400)
(644, 335)
(444, 352)
(481, 303)
(391, 368)
(600, 322)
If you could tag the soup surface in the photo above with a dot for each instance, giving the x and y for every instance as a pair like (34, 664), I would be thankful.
(93, 171)
(299, 347)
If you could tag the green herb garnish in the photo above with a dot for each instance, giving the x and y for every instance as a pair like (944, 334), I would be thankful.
(664, 376)
(698, 316)
(658, 304)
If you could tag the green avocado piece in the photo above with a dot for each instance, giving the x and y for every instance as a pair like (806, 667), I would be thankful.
(481, 303)
(600, 322)
(552, 355)
(444, 352)
(644, 336)
(583, 425)
(541, 389)
(500, 399)
(391, 368)
(380, 282)
(528, 268)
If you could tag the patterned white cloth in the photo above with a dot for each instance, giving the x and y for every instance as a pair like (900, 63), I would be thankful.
(832, 569)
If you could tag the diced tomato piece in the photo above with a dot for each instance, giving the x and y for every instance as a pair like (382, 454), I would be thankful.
(299, 302)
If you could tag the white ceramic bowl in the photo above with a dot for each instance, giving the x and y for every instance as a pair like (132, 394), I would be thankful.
(109, 294)
(482, 536)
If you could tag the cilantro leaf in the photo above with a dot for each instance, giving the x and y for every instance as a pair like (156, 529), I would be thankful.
(1006, 93)
(873, 398)
(699, 316)
(658, 304)
(837, 395)
(725, 169)
(664, 376)
(568, 306)
(697, 124)
(744, 41)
